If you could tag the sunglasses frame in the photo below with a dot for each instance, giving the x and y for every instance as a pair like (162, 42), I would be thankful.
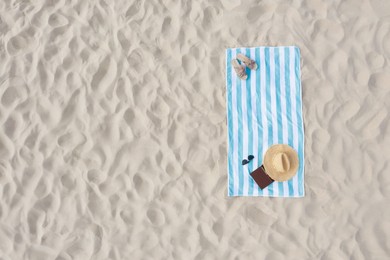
(246, 161)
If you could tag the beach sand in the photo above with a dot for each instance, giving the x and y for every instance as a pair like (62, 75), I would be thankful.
(113, 136)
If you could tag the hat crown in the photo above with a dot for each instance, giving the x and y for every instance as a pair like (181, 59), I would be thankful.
(281, 162)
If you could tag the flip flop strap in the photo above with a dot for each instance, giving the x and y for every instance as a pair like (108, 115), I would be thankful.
(241, 72)
(251, 63)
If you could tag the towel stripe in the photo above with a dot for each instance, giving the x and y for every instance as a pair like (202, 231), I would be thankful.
(293, 111)
(235, 172)
(278, 110)
(260, 115)
(273, 108)
(240, 132)
(283, 114)
(288, 110)
(300, 123)
(255, 112)
(268, 125)
(229, 103)
(263, 110)
(250, 130)
(263, 93)
(244, 135)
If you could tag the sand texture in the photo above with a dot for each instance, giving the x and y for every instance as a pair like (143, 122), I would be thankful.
(113, 134)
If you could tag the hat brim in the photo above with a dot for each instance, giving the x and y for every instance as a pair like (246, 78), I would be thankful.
(293, 159)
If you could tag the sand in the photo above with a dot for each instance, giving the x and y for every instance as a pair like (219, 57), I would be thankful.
(113, 130)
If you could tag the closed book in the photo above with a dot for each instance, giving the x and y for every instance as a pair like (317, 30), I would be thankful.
(261, 177)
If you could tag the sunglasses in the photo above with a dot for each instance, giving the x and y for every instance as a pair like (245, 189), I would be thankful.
(245, 161)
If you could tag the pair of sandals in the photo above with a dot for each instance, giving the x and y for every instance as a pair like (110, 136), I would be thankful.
(240, 69)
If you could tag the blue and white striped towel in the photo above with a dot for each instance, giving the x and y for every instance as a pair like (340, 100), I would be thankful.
(263, 110)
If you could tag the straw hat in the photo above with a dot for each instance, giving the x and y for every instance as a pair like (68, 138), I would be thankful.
(281, 162)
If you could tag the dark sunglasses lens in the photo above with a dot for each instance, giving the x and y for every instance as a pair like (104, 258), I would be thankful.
(250, 157)
(244, 162)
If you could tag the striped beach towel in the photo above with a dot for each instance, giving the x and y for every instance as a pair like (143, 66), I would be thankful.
(263, 110)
